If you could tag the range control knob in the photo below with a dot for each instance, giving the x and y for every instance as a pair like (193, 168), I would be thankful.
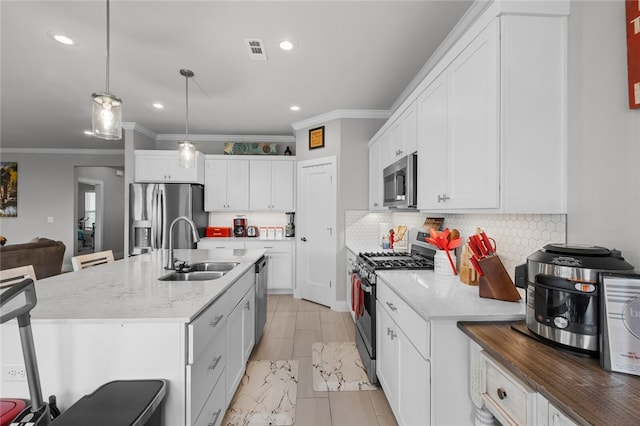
(561, 322)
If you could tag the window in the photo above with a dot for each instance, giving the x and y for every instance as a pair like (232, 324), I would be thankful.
(90, 209)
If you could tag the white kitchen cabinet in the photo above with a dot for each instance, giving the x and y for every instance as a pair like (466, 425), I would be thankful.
(400, 137)
(240, 328)
(387, 356)
(281, 263)
(402, 364)
(458, 130)
(549, 415)
(226, 184)
(376, 182)
(162, 166)
(271, 185)
(492, 118)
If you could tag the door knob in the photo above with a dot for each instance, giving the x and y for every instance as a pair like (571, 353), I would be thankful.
(303, 239)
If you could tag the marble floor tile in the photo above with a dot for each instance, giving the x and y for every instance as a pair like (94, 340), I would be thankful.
(267, 395)
(337, 367)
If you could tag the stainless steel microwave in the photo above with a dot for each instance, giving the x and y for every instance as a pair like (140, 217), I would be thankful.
(400, 183)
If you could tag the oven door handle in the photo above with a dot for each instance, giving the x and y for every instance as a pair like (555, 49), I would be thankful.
(365, 287)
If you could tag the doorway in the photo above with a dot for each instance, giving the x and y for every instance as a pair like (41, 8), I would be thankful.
(99, 210)
(316, 230)
(89, 214)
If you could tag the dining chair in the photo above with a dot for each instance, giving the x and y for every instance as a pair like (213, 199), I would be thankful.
(84, 261)
(12, 276)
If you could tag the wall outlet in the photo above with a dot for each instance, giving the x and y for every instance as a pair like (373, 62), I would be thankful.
(14, 372)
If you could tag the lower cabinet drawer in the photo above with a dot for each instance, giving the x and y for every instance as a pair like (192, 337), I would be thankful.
(214, 409)
(205, 371)
(507, 398)
(413, 325)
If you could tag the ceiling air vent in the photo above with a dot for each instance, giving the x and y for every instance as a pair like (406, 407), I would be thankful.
(256, 49)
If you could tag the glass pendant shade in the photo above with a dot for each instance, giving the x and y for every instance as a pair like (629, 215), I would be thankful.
(106, 116)
(187, 154)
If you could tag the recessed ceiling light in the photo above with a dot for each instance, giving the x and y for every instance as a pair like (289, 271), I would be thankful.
(294, 108)
(287, 44)
(158, 105)
(61, 38)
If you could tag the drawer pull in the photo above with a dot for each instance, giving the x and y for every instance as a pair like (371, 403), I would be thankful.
(215, 417)
(216, 320)
(391, 306)
(215, 362)
(502, 394)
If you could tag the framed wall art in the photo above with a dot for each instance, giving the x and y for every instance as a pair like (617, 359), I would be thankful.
(8, 189)
(316, 138)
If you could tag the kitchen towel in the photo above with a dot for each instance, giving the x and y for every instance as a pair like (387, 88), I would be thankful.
(337, 367)
(266, 395)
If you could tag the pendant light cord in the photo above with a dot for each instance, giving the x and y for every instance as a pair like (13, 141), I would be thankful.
(108, 45)
(186, 126)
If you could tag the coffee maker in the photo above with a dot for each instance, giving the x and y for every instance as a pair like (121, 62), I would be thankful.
(240, 226)
(290, 229)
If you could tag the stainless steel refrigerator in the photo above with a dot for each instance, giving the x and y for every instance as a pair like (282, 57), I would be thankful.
(152, 208)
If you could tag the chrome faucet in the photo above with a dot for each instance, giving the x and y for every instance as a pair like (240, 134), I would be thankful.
(170, 259)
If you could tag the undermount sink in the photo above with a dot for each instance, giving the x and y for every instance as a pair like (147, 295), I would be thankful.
(214, 266)
(203, 271)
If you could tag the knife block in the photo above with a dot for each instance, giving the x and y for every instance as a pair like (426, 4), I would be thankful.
(495, 283)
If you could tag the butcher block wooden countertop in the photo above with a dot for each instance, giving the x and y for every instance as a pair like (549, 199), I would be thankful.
(576, 385)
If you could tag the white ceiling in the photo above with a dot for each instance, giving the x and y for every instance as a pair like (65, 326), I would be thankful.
(350, 55)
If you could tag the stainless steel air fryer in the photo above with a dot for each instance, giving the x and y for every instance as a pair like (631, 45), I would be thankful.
(563, 293)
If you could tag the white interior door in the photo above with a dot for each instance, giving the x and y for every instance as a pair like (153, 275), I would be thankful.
(316, 231)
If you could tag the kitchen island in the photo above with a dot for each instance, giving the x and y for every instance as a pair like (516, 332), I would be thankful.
(118, 321)
(422, 357)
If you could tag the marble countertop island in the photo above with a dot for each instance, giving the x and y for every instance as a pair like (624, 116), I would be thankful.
(434, 296)
(129, 290)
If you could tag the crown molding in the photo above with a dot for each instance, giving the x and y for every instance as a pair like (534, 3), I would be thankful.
(228, 138)
(342, 113)
(140, 129)
(65, 151)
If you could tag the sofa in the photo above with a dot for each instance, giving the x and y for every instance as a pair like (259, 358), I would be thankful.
(44, 254)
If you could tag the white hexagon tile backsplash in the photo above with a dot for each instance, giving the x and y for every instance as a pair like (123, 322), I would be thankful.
(516, 235)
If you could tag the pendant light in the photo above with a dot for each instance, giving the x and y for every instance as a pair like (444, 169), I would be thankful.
(106, 117)
(186, 150)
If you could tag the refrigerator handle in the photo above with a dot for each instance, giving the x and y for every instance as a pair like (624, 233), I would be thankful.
(154, 219)
(157, 225)
(162, 213)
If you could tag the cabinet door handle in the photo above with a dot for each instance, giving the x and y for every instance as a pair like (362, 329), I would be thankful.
(215, 362)
(215, 417)
(216, 320)
(391, 306)
(303, 239)
(502, 394)
(247, 305)
(393, 335)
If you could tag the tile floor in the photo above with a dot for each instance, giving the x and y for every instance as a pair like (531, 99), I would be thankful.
(293, 325)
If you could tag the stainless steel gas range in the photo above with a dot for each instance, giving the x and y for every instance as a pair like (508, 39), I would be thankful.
(363, 291)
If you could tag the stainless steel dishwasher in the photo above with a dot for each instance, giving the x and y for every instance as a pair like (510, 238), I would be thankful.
(262, 271)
